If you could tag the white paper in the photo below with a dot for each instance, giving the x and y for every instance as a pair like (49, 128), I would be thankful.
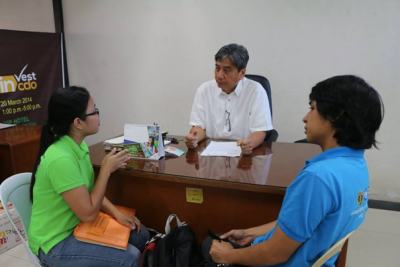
(4, 126)
(222, 149)
(115, 141)
(161, 152)
(136, 133)
(167, 142)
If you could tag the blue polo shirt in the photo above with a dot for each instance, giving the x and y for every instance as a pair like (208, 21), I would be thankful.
(326, 201)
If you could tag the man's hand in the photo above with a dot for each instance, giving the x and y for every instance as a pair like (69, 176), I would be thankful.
(245, 162)
(192, 158)
(246, 145)
(238, 236)
(191, 140)
(219, 251)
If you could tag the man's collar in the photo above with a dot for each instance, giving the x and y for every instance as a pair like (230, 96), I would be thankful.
(239, 87)
(80, 151)
(237, 91)
(336, 152)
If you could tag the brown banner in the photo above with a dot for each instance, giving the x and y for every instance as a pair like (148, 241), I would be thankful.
(30, 70)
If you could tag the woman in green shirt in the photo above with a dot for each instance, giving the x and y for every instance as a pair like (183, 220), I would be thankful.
(63, 191)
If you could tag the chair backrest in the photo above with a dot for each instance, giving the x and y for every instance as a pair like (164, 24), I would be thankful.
(265, 83)
(16, 190)
(272, 135)
(332, 251)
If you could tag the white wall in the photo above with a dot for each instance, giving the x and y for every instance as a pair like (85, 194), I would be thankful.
(143, 60)
(27, 15)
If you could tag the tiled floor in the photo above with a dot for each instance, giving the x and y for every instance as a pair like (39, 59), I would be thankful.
(15, 257)
(375, 243)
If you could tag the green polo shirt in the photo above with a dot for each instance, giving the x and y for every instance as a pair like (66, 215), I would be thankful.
(64, 166)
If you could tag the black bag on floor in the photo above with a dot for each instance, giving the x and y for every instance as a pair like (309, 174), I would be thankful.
(147, 259)
(179, 248)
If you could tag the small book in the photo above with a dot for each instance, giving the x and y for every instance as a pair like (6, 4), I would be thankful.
(173, 151)
(105, 230)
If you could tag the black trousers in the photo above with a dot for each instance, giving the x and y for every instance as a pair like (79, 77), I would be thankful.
(206, 247)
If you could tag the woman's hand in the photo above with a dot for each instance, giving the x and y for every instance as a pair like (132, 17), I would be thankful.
(128, 220)
(112, 161)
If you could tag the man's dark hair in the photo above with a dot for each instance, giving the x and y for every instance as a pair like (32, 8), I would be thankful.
(354, 108)
(237, 54)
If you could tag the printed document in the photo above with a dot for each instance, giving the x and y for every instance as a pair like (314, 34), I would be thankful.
(222, 149)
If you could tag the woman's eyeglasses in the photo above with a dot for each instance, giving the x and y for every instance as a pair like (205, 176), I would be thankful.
(95, 112)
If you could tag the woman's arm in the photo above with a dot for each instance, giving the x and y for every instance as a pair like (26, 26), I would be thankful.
(109, 208)
(85, 205)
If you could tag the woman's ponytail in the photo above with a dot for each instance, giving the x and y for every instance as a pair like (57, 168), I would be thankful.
(65, 105)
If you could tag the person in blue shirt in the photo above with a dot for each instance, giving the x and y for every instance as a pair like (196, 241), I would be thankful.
(328, 199)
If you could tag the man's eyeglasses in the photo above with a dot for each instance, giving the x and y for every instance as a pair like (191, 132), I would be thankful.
(227, 120)
(95, 112)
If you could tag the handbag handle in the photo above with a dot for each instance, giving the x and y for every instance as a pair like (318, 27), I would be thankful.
(170, 218)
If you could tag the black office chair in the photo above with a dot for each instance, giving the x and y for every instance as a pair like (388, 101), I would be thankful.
(271, 135)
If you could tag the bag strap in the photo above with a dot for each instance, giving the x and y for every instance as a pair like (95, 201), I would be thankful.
(170, 218)
(155, 238)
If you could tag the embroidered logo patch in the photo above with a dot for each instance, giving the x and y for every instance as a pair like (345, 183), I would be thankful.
(366, 193)
(360, 197)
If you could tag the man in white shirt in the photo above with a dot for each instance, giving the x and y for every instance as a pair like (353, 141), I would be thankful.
(231, 106)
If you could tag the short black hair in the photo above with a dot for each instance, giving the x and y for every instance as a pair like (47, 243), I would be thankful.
(237, 54)
(354, 108)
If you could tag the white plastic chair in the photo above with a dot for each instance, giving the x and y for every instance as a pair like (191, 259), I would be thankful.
(16, 190)
(332, 251)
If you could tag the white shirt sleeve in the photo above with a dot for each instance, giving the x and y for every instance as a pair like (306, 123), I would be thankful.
(198, 114)
(260, 118)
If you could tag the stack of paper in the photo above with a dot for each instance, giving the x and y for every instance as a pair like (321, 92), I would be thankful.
(173, 151)
(117, 142)
(222, 149)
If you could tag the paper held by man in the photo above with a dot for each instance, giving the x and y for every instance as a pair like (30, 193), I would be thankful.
(222, 149)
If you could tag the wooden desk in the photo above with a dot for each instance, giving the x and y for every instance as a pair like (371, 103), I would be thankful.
(19, 146)
(233, 198)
